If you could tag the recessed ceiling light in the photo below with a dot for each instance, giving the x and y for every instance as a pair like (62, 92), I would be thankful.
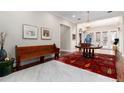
(73, 16)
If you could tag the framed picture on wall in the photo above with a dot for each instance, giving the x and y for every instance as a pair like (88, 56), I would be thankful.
(29, 31)
(45, 33)
(73, 37)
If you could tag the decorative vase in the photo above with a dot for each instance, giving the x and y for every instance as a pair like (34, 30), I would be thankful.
(88, 39)
(114, 48)
(3, 54)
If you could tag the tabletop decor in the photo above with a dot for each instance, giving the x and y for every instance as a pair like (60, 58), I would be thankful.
(3, 53)
(88, 39)
(115, 47)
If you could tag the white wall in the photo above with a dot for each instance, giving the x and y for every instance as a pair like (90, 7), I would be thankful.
(11, 22)
(121, 35)
(73, 42)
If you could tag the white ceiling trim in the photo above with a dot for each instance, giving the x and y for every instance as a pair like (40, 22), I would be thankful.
(57, 15)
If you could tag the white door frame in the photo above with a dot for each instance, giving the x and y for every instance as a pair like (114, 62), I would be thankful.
(60, 36)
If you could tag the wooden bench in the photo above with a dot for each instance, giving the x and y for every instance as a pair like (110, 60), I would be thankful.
(24, 53)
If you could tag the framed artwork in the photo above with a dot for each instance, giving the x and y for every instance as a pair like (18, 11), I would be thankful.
(45, 33)
(30, 31)
(73, 36)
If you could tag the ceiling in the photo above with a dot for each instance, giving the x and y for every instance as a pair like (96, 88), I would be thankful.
(81, 16)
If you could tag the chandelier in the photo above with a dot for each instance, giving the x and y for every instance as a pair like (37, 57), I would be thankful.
(87, 28)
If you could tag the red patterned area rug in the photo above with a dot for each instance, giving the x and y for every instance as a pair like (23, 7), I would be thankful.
(103, 64)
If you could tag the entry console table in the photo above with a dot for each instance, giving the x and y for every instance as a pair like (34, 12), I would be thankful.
(88, 50)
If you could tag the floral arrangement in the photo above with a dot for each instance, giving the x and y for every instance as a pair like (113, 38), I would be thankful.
(3, 53)
(2, 39)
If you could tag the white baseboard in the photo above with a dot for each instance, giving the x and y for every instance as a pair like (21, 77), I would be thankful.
(65, 50)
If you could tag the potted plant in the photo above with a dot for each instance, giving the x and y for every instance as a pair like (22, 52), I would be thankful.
(6, 64)
(6, 67)
(3, 53)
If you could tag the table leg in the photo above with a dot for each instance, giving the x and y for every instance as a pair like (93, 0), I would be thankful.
(84, 52)
(42, 59)
(92, 53)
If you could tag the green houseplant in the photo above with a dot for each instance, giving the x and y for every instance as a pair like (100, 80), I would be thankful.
(6, 64)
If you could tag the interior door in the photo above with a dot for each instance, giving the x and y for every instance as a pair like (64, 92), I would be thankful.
(65, 36)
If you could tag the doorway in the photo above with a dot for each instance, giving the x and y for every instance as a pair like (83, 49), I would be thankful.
(65, 38)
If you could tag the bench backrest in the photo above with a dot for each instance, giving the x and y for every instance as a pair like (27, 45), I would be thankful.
(30, 52)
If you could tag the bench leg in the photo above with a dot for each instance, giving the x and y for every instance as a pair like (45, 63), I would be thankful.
(56, 56)
(18, 65)
(42, 59)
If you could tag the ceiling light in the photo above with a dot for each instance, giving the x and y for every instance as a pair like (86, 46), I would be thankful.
(87, 28)
(73, 16)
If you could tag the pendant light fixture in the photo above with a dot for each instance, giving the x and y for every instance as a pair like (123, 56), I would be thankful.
(87, 28)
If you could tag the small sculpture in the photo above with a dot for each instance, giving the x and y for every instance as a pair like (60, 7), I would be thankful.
(116, 41)
(115, 44)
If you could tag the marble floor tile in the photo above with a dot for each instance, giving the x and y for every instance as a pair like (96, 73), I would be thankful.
(54, 71)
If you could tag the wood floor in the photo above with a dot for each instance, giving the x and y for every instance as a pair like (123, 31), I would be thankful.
(120, 67)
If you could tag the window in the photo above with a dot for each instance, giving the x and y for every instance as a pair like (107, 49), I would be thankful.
(98, 35)
(113, 35)
(105, 38)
